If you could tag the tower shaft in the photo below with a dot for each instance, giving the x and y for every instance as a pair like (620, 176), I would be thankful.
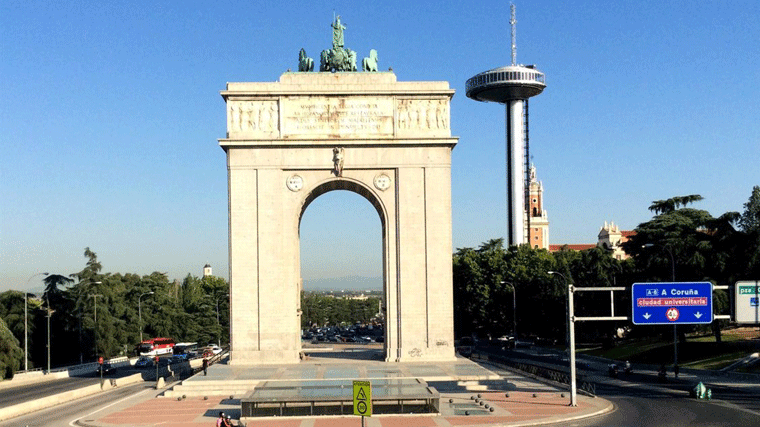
(515, 153)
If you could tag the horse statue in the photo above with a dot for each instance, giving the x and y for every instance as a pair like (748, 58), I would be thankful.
(304, 62)
(324, 60)
(370, 63)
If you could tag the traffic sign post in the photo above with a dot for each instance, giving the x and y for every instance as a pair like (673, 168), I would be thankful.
(747, 302)
(363, 399)
(672, 303)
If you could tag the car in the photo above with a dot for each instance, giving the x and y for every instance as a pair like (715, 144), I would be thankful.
(144, 362)
(212, 349)
(105, 368)
(178, 358)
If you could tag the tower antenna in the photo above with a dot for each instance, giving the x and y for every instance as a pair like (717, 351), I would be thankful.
(512, 22)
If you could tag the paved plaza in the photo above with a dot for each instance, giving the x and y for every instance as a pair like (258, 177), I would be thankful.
(515, 399)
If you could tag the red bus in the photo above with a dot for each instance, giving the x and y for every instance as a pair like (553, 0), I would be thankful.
(156, 346)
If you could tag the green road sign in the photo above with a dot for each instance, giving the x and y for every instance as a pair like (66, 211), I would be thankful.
(363, 398)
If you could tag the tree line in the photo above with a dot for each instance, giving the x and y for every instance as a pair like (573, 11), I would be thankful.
(93, 314)
(678, 239)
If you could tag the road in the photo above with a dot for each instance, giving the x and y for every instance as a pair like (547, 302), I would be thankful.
(641, 400)
(64, 415)
(19, 394)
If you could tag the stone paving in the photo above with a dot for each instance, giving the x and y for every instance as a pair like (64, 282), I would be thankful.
(516, 400)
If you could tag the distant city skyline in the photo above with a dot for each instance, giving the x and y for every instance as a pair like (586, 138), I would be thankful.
(111, 115)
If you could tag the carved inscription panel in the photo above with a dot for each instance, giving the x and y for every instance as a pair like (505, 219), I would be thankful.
(326, 116)
(338, 117)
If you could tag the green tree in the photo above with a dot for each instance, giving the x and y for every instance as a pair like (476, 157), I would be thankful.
(11, 355)
(703, 248)
(750, 225)
(750, 218)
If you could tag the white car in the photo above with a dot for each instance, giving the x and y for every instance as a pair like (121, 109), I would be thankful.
(213, 348)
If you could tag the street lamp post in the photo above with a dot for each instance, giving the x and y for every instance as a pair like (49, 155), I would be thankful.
(514, 308)
(571, 332)
(672, 279)
(139, 312)
(95, 317)
(26, 322)
(218, 324)
(48, 334)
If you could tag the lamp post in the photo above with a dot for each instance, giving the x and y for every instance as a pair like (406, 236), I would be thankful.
(48, 334)
(95, 317)
(139, 312)
(672, 279)
(80, 320)
(218, 324)
(26, 321)
(571, 332)
(514, 308)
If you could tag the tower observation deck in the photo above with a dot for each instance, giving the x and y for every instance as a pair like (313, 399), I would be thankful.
(512, 85)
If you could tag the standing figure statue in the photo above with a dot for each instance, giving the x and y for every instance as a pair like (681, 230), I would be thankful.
(337, 33)
(338, 161)
(304, 62)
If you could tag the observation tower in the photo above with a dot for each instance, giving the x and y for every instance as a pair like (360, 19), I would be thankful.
(512, 86)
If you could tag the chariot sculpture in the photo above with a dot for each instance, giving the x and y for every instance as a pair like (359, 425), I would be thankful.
(339, 58)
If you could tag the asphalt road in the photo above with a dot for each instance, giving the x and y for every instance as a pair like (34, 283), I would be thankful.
(642, 400)
(64, 415)
(25, 393)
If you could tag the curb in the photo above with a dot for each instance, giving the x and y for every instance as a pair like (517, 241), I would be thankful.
(46, 402)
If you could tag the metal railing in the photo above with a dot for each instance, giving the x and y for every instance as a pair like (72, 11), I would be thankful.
(557, 375)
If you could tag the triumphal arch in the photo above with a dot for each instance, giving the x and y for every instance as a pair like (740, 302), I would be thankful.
(311, 132)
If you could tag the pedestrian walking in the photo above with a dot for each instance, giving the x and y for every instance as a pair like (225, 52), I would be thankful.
(205, 366)
(220, 422)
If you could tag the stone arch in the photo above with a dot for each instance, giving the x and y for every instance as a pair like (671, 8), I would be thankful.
(278, 166)
(347, 184)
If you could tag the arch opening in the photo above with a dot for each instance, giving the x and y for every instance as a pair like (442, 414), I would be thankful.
(342, 268)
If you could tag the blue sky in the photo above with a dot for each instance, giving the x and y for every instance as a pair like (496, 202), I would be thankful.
(110, 114)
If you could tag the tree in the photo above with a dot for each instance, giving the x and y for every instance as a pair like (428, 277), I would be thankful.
(703, 248)
(11, 354)
(54, 296)
(750, 225)
(750, 218)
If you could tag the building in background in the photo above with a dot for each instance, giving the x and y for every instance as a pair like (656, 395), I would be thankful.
(538, 218)
(207, 271)
(610, 237)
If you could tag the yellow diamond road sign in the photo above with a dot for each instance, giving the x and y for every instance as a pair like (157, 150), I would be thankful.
(363, 398)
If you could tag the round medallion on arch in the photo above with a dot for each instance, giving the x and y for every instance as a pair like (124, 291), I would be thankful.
(294, 183)
(382, 182)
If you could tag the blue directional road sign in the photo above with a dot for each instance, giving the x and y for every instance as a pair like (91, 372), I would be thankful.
(672, 303)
